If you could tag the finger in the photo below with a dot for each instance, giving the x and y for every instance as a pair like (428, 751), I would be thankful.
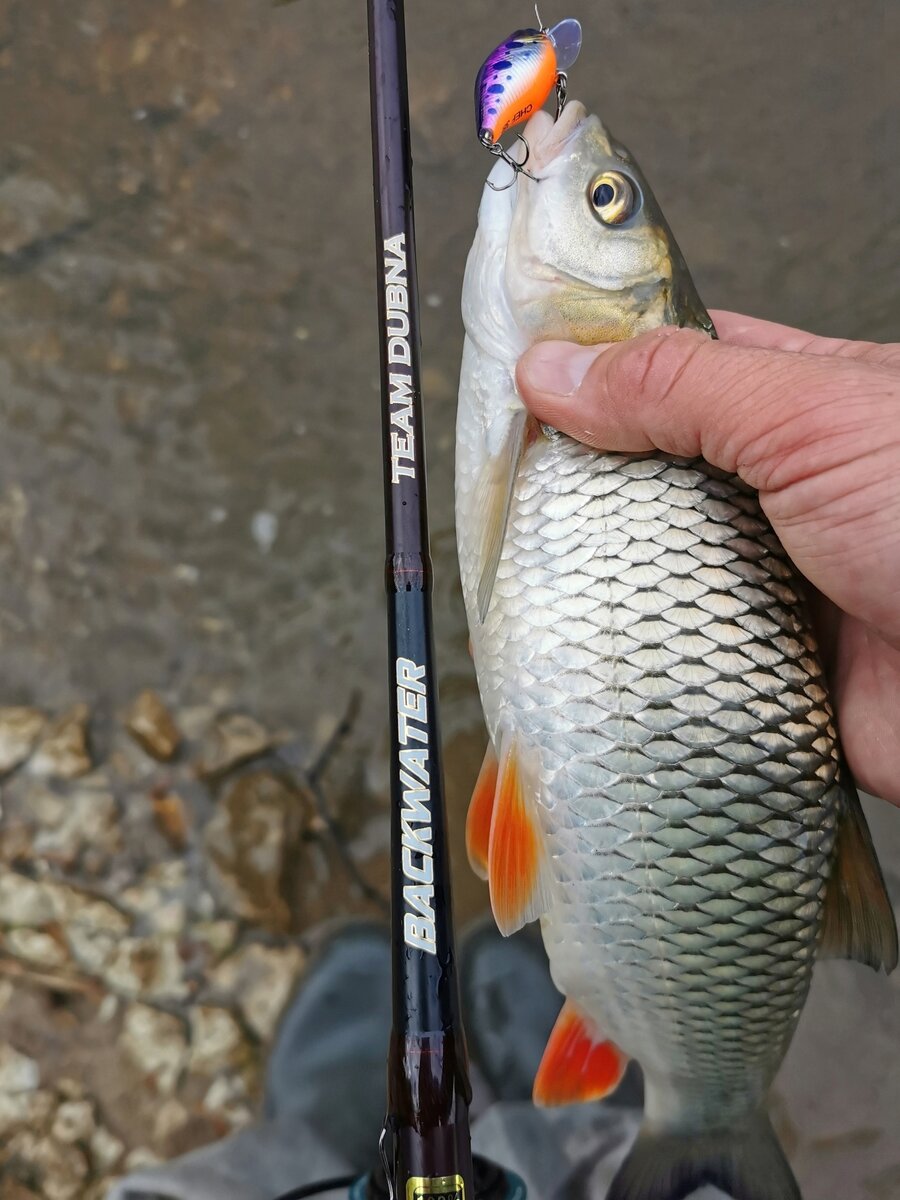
(866, 679)
(769, 415)
(740, 330)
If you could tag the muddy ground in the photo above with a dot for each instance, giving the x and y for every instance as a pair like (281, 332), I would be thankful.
(190, 500)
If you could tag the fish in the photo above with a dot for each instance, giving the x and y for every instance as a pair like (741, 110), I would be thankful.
(663, 788)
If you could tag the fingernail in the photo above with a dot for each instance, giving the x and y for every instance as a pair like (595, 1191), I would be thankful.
(558, 367)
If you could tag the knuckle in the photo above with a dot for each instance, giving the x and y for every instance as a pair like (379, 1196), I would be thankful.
(660, 363)
(649, 378)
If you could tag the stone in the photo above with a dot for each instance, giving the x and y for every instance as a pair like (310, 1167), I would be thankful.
(69, 1088)
(250, 843)
(171, 1116)
(219, 936)
(20, 729)
(171, 818)
(63, 751)
(155, 1041)
(25, 1110)
(227, 1098)
(149, 968)
(92, 928)
(140, 1158)
(259, 979)
(63, 1170)
(235, 739)
(105, 1150)
(18, 1073)
(23, 902)
(152, 726)
(217, 1041)
(35, 947)
(162, 912)
(74, 1122)
(86, 819)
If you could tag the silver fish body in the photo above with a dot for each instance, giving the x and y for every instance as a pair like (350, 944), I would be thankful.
(648, 648)
(647, 634)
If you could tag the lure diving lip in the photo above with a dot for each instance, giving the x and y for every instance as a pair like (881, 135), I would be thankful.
(518, 75)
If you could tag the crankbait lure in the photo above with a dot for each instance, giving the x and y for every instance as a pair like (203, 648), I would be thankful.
(517, 77)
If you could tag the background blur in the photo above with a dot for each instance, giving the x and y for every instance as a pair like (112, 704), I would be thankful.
(190, 502)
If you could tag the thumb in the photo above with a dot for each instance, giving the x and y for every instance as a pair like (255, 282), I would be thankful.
(764, 413)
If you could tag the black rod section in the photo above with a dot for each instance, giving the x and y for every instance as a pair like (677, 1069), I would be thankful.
(426, 1144)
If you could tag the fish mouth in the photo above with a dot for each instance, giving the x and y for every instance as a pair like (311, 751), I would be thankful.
(547, 137)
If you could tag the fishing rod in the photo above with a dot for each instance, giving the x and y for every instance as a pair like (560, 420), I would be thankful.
(425, 1147)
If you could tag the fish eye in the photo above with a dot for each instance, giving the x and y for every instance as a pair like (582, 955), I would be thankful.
(614, 197)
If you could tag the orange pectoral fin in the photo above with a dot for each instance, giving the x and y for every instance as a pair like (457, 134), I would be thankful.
(518, 869)
(578, 1064)
(481, 809)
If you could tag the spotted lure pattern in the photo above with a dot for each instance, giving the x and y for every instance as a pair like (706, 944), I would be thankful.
(517, 77)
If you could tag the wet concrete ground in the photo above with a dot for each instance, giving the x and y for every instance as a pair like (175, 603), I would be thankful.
(190, 479)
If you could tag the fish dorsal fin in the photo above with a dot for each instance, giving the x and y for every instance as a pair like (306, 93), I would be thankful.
(858, 921)
(579, 1064)
(518, 866)
(481, 810)
(493, 498)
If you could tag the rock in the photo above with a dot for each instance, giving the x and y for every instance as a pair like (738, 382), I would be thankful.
(93, 928)
(74, 1122)
(162, 912)
(61, 1170)
(217, 1041)
(35, 947)
(171, 1116)
(140, 1158)
(151, 725)
(250, 842)
(155, 1042)
(17, 1072)
(25, 1110)
(64, 1169)
(85, 819)
(23, 901)
(235, 739)
(259, 979)
(171, 818)
(105, 1150)
(227, 1098)
(20, 729)
(219, 936)
(63, 751)
(148, 968)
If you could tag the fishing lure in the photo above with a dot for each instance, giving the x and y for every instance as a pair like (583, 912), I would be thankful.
(515, 80)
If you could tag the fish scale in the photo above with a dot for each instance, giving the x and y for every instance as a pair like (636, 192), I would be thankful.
(635, 669)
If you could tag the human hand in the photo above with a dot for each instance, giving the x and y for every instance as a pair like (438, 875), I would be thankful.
(814, 425)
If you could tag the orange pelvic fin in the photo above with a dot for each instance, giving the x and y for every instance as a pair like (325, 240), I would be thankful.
(481, 810)
(578, 1064)
(518, 867)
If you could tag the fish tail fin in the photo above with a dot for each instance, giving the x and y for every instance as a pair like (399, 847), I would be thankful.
(747, 1163)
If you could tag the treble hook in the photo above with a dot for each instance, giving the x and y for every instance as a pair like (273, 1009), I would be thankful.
(518, 168)
(562, 87)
